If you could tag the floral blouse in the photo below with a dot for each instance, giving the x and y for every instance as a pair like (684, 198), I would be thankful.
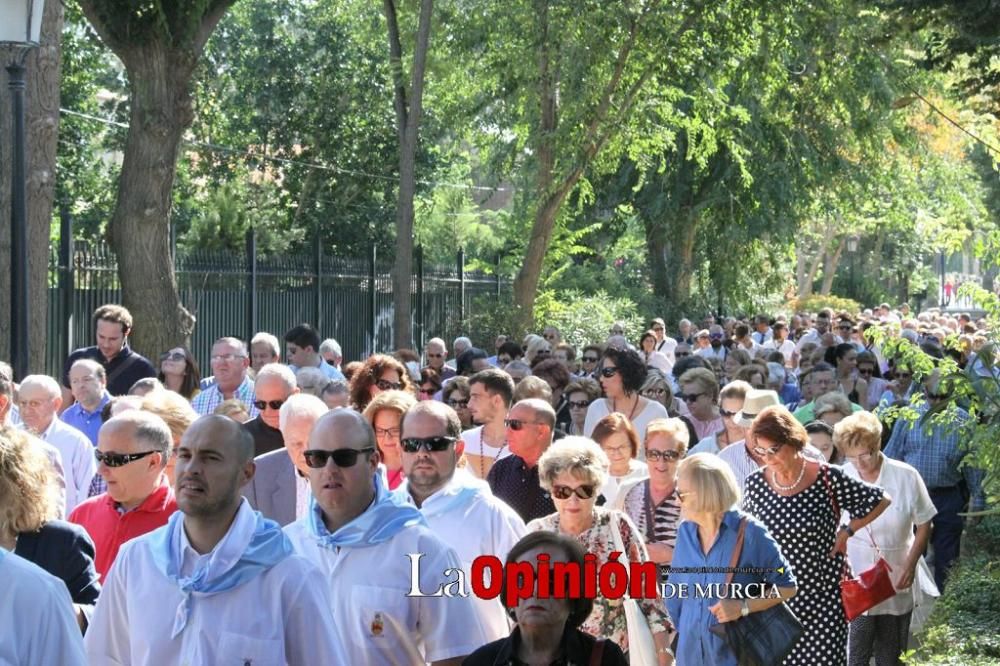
(608, 616)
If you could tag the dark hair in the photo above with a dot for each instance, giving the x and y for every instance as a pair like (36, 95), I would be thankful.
(456, 384)
(868, 357)
(512, 349)
(741, 331)
(832, 355)
(552, 369)
(778, 425)
(579, 607)
(822, 366)
(192, 375)
(631, 367)
(303, 336)
(647, 334)
(463, 364)
(496, 382)
(351, 369)
(689, 363)
(814, 427)
(431, 376)
(596, 348)
(370, 372)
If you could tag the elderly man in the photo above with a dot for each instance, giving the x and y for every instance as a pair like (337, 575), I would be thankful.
(280, 488)
(124, 367)
(362, 537)
(88, 383)
(132, 452)
(822, 380)
(274, 383)
(302, 349)
(458, 508)
(40, 400)
(331, 352)
(219, 583)
(264, 349)
(514, 479)
(230, 363)
(435, 356)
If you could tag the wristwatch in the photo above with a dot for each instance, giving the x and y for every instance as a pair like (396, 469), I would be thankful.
(745, 610)
(847, 528)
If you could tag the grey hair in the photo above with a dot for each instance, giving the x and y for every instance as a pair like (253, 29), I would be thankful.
(314, 376)
(332, 346)
(270, 340)
(43, 382)
(232, 342)
(301, 406)
(580, 456)
(147, 427)
(279, 371)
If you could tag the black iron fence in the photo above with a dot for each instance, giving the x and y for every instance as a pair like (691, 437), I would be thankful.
(347, 298)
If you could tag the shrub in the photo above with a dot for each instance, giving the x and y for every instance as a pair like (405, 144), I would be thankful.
(817, 302)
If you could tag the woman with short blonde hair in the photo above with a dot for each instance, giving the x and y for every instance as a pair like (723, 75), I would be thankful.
(385, 414)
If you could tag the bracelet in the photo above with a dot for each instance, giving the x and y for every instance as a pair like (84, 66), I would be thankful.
(847, 528)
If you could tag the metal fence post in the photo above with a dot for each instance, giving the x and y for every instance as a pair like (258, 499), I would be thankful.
(421, 321)
(66, 281)
(461, 288)
(372, 297)
(318, 293)
(251, 283)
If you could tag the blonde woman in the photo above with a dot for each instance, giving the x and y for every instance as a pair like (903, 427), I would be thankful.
(573, 470)
(177, 413)
(700, 392)
(385, 414)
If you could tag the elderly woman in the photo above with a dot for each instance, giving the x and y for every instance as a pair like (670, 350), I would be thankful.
(622, 373)
(311, 381)
(29, 503)
(455, 394)
(731, 400)
(379, 373)
(385, 414)
(708, 494)
(652, 503)
(654, 359)
(619, 441)
(573, 470)
(547, 627)
(901, 536)
(430, 383)
(538, 349)
(580, 394)
(590, 357)
(800, 503)
(179, 372)
(700, 392)
(831, 408)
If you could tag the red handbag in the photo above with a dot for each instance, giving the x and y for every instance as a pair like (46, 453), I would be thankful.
(872, 586)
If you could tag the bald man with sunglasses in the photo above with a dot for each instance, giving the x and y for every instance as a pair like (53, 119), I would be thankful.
(514, 479)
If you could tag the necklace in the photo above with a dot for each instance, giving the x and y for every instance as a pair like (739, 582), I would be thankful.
(482, 454)
(774, 478)
(614, 407)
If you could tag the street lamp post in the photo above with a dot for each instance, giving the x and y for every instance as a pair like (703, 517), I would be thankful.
(20, 28)
(852, 249)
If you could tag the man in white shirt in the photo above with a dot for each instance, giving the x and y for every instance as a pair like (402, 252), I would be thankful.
(37, 617)
(715, 348)
(40, 398)
(779, 342)
(219, 583)
(665, 345)
(762, 331)
(458, 508)
(491, 392)
(361, 537)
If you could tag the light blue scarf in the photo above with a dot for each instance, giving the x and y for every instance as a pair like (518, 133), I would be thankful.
(381, 521)
(460, 491)
(247, 550)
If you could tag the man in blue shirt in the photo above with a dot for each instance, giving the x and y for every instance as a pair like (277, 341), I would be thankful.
(88, 383)
(302, 351)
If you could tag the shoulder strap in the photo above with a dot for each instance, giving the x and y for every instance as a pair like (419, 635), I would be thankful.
(829, 491)
(597, 652)
(127, 363)
(737, 549)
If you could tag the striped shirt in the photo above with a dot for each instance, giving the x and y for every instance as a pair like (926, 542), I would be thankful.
(735, 455)
(211, 397)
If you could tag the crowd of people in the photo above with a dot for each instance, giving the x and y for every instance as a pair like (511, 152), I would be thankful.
(293, 507)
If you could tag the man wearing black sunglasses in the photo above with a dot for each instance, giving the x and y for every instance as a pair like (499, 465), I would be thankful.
(219, 582)
(360, 536)
(514, 479)
(460, 510)
(275, 383)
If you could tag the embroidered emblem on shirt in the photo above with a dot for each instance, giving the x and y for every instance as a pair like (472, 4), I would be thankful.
(377, 625)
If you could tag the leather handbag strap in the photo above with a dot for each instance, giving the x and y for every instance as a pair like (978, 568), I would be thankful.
(597, 652)
(845, 572)
(737, 550)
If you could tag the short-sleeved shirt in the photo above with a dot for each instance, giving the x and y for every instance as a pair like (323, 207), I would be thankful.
(124, 370)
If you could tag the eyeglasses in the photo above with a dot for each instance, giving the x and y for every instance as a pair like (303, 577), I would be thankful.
(175, 356)
(681, 354)
(317, 458)
(681, 496)
(382, 433)
(726, 413)
(591, 359)
(119, 459)
(430, 390)
(761, 451)
(581, 404)
(862, 458)
(458, 404)
(273, 404)
(609, 371)
(386, 385)
(226, 358)
(565, 492)
(667, 456)
(866, 371)
(689, 397)
(655, 392)
(518, 424)
(413, 444)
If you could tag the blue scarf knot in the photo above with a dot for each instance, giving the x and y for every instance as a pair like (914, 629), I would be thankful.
(385, 518)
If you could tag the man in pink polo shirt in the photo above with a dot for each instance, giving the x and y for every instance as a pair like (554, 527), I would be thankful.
(132, 452)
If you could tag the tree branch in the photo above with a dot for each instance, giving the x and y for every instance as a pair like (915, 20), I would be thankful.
(396, 65)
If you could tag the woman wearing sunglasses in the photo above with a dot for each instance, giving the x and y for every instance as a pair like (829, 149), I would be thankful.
(800, 502)
(868, 370)
(581, 393)
(379, 373)
(573, 471)
(700, 392)
(622, 373)
(179, 372)
(706, 539)
(455, 394)
(430, 383)
(385, 414)
(652, 503)
(731, 400)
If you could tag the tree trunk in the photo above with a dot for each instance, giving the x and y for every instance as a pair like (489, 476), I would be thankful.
(683, 232)
(160, 112)
(408, 112)
(803, 287)
(830, 266)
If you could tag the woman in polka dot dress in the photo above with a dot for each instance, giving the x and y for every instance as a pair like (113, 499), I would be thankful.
(794, 498)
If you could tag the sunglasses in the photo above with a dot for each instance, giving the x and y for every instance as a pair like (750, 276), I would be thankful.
(655, 392)
(866, 371)
(518, 424)
(591, 359)
(761, 451)
(681, 354)
(609, 371)
(726, 413)
(386, 385)
(414, 444)
(654, 455)
(582, 404)
(657, 328)
(175, 356)
(317, 458)
(263, 404)
(458, 404)
(689, 397)
(119, 459)
(565, 492)
(937, 396)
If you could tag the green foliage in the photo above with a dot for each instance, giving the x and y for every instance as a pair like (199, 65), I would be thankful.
(586, 318)
(817, 302)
